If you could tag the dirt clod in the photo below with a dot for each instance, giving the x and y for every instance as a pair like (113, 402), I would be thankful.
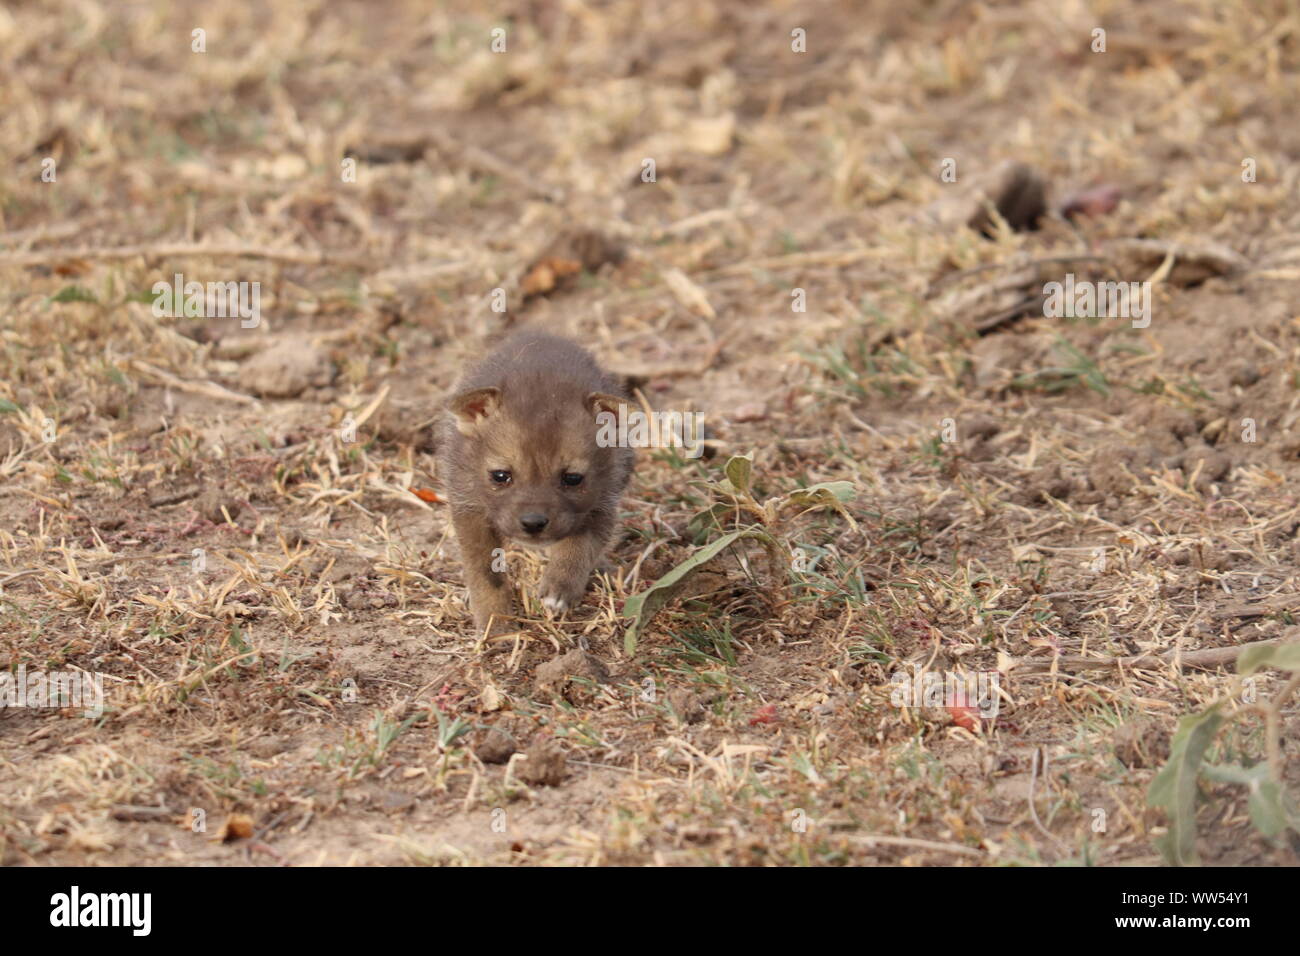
(686, 704)
(496, 746)
(1141, 743)
(286, 369)
(571, 676)
(544, 763)
(1020, 198)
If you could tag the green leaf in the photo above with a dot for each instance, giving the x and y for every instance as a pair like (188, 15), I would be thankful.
(643, 606)
(1266, 809)
(1229, 773)
(739, 471)
(1265, 795)
(1174, 787)
(8, 406)
(73, 293)
(703, 523)
(825, 494)
(1284, 657)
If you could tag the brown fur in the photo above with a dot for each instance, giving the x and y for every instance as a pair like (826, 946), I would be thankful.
(529, 409)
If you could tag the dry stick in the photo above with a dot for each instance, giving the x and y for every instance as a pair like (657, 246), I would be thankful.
(1207, 658)
(137, 814)
(45, 233)
(793, 260)
(1273, 726)
(488, 163)
(994, 322)
(175, 498)
(1047, 261)
(1033, 810)
(918, 844)
(257, 846)
(204, 388)
(646, 373)
(172, 250)
(199, 676)
(6, 578)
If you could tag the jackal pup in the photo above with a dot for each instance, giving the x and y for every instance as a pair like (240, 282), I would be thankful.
(520, 461)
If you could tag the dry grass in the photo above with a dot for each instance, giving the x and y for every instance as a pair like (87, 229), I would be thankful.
(319, 674)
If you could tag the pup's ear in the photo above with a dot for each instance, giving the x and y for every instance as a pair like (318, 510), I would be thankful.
(474, 407)
(600, 402)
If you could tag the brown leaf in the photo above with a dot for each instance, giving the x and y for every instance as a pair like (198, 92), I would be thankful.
(1096, 201)
(72, 267)
(547, 274)
(238, 826)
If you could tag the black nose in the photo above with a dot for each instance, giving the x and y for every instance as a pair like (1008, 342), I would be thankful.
(533, 523)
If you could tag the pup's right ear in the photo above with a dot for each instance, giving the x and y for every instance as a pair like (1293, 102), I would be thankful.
(600, 402)
(474, 407)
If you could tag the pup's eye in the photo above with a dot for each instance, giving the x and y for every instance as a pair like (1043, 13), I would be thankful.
(500, 476)
(571, 478)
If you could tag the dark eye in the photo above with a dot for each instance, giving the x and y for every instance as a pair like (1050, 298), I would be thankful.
(571, 478)
(500, 476)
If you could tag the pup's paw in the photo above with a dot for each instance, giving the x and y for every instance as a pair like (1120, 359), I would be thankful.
(554, 603)
(492, 613)
(559, 596)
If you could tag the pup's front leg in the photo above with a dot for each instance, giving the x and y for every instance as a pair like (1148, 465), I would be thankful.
(480, 552)
(571, 561)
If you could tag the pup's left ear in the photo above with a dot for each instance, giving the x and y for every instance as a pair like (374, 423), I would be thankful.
(472, 408)
(600, 402)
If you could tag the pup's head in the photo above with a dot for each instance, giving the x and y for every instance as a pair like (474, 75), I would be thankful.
(536, 466)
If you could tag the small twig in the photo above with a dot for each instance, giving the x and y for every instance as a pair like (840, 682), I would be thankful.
(1033, 811)
(1207, 658)
(998, 319)
(178, 249)
(175, 497)
(1047, 261)
(44, 233)
(486, 162)
(1273, 726)
(204, 388)
(638, 376)
(5, 579)
(135, 814)
(878, 840)
(795, 260)
(257, 846)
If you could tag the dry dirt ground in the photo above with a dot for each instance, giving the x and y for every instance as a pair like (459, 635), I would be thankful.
(234, 526)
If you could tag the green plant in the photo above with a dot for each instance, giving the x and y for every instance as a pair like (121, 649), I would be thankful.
(1175, 788)
(750, 520)
(1077, 369)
